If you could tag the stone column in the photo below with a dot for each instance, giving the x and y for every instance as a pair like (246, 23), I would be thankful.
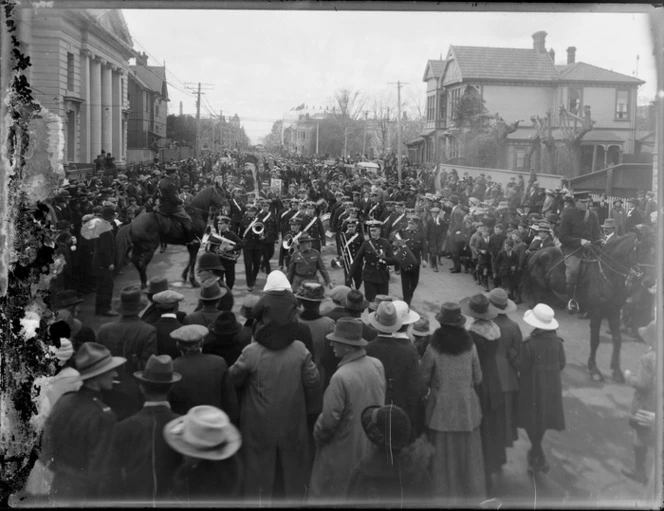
(116, 111)
(85, 108)
(95, 109)
(107, 105)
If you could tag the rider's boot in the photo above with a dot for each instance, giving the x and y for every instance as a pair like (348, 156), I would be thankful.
(572, 304)
(639, 472)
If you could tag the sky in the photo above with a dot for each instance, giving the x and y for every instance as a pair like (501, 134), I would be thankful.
(261, 64)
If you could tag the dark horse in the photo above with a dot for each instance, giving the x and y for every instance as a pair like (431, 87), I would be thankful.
(146, 233)
(605, 274)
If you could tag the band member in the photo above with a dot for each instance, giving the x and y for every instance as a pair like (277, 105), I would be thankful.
(252, 249)
(374, 210)
(337, 220)
(306, 263)
(237, 205)
(354, 240)
(285, 255)
(413, 238)
(270, 233)
(316, 231)
(229, 256)
(376, 254)
(396, 221)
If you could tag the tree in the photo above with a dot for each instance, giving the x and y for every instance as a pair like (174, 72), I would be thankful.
(181, 129)
(574, 128)
(347, 106)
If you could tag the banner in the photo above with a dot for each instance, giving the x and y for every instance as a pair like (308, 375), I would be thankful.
(275, 186)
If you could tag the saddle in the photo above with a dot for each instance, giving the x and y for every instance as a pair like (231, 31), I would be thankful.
(173, 228)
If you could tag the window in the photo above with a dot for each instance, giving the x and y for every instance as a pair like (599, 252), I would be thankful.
(455, 96)
(443, 106)
(520, 158)
(431, 105)
(70, 71)
(156, 108)
(146, 102)
(622, 105)
(574, 99)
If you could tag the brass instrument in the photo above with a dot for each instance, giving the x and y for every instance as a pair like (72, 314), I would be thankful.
(289, 242)
(294, 239)
(346, 259)
(258, 228)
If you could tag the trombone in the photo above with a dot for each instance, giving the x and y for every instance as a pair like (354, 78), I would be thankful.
(346, 258)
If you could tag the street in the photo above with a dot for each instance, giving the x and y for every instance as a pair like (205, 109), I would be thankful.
(585, 459)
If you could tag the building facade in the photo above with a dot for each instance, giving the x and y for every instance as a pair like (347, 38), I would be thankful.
(148, 103)
(79, 71)
(519, 83)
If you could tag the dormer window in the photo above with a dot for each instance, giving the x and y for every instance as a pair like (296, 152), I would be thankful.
(622, 105)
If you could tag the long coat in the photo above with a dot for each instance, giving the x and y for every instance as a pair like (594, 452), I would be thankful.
(166, 345)
(147, 462)
(275, 387)
(340, 439)
(434, 234)
(540, 387)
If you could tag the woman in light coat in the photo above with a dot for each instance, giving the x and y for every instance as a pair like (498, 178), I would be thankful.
(451, 369)
(359, 382)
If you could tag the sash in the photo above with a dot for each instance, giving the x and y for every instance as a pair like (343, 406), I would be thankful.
(268, 216)
(396, 222)
(351, 240)
(237, 205)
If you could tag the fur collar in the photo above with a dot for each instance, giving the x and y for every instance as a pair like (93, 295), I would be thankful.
(485, 328)
(451, 340)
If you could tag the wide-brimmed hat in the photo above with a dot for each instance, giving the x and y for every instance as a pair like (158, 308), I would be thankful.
(355, 301)
(93, 359)
(609, 223)
(542, 317)
(406, 315)
(386, 426)
(499, 299)
(157, 285)
(478, 306)
(205, 432)
(131, 302)
(338, 294)
(450, 315)
(311, 291)
(422, 328)
(225, 324)
(211, 290)
(378, 300)
(209, 261)
(649, 332)
(386, 318)
(347, 331)
(66, 298)
(158, 369)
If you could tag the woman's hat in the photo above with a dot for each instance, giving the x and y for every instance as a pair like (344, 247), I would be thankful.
(386, 426)
(205, 432)
(347, 331)
(450, 315)
(355, 301)
(378, 300)
(157, 285)
(225, 324)
(158, 369)
(478, 307)
(649, 333)
(131, 301)
(422, 328)
(407, 316)
(542, 317)
(385, 319)
(311, 291)
(249, 302)
(338, 293)
(211, 290)
(499, 299)
(93, 359)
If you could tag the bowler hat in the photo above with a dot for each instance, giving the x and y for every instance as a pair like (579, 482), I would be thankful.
(450, 314)
(355, 301)
(225, 324)
(93, 359)
(311, 291)
(347, 331)
(189, 333)
(211, 290)
(478, 307)
(386, 318)
(66, 298)
(157, 285)
(499, 299)
(131, 301)
(386, 426)
(158, 369)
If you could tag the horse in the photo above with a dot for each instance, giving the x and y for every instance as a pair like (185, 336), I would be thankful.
(605, 275)
(146, 233)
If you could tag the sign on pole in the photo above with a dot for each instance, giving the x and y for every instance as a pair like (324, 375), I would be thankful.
(275, 185)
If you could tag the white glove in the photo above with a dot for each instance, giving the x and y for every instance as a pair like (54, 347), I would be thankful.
(584, 242)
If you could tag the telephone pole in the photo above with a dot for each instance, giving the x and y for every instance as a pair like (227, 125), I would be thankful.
(399, 84)
(188, 86)
(364, 142)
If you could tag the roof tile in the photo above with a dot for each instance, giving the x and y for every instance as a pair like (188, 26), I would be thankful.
(519, 64)
(582, 72)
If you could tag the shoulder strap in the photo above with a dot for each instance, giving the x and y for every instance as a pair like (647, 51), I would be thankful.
(103, 406)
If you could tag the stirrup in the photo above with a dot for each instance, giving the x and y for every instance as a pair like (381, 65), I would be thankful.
(573, 305)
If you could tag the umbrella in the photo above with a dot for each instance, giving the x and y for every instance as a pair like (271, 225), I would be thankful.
(91, 229)
(368, 165)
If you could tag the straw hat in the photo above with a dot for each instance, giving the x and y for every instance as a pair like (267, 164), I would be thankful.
(347, 331)
(386, 318)
(93, 359)
(499, 299)
(406, 315)
(205, 432)
(542, 317)
(478, 307)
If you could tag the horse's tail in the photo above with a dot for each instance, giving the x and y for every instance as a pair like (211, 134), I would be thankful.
(123, 246)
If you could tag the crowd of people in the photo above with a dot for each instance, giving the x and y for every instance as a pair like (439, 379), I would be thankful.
(367, 402)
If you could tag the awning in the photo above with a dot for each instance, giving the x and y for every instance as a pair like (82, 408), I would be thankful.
(426, 133)
(415, 141)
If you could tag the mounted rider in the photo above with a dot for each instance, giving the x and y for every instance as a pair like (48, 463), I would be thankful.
(579, 227)
(170, 203)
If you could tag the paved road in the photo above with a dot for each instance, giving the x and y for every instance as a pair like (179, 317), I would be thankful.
(585, 459)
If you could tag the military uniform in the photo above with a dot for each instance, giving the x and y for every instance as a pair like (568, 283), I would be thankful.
(170, 204)
(270, 237)
(305, 266)
(316, 231)
(252, 251)
(354, 241)
(395, 222)
(410, 276)
(228, 263)
(77, 447)
(375, 274)
(237, 213)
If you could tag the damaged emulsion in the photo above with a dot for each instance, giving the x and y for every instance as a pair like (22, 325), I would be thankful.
(26, 288)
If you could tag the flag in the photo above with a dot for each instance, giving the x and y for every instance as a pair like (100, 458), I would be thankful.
(301, 107)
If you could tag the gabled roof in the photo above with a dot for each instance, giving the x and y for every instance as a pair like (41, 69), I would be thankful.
(152, 78)
(582, 72)
(113, 21)
(513, 64)
(435, 68)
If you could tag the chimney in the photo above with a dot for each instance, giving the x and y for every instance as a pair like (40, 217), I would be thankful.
(552, 55)
(180, 108)
(142, 59)
(539, 41)
(571, 54)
